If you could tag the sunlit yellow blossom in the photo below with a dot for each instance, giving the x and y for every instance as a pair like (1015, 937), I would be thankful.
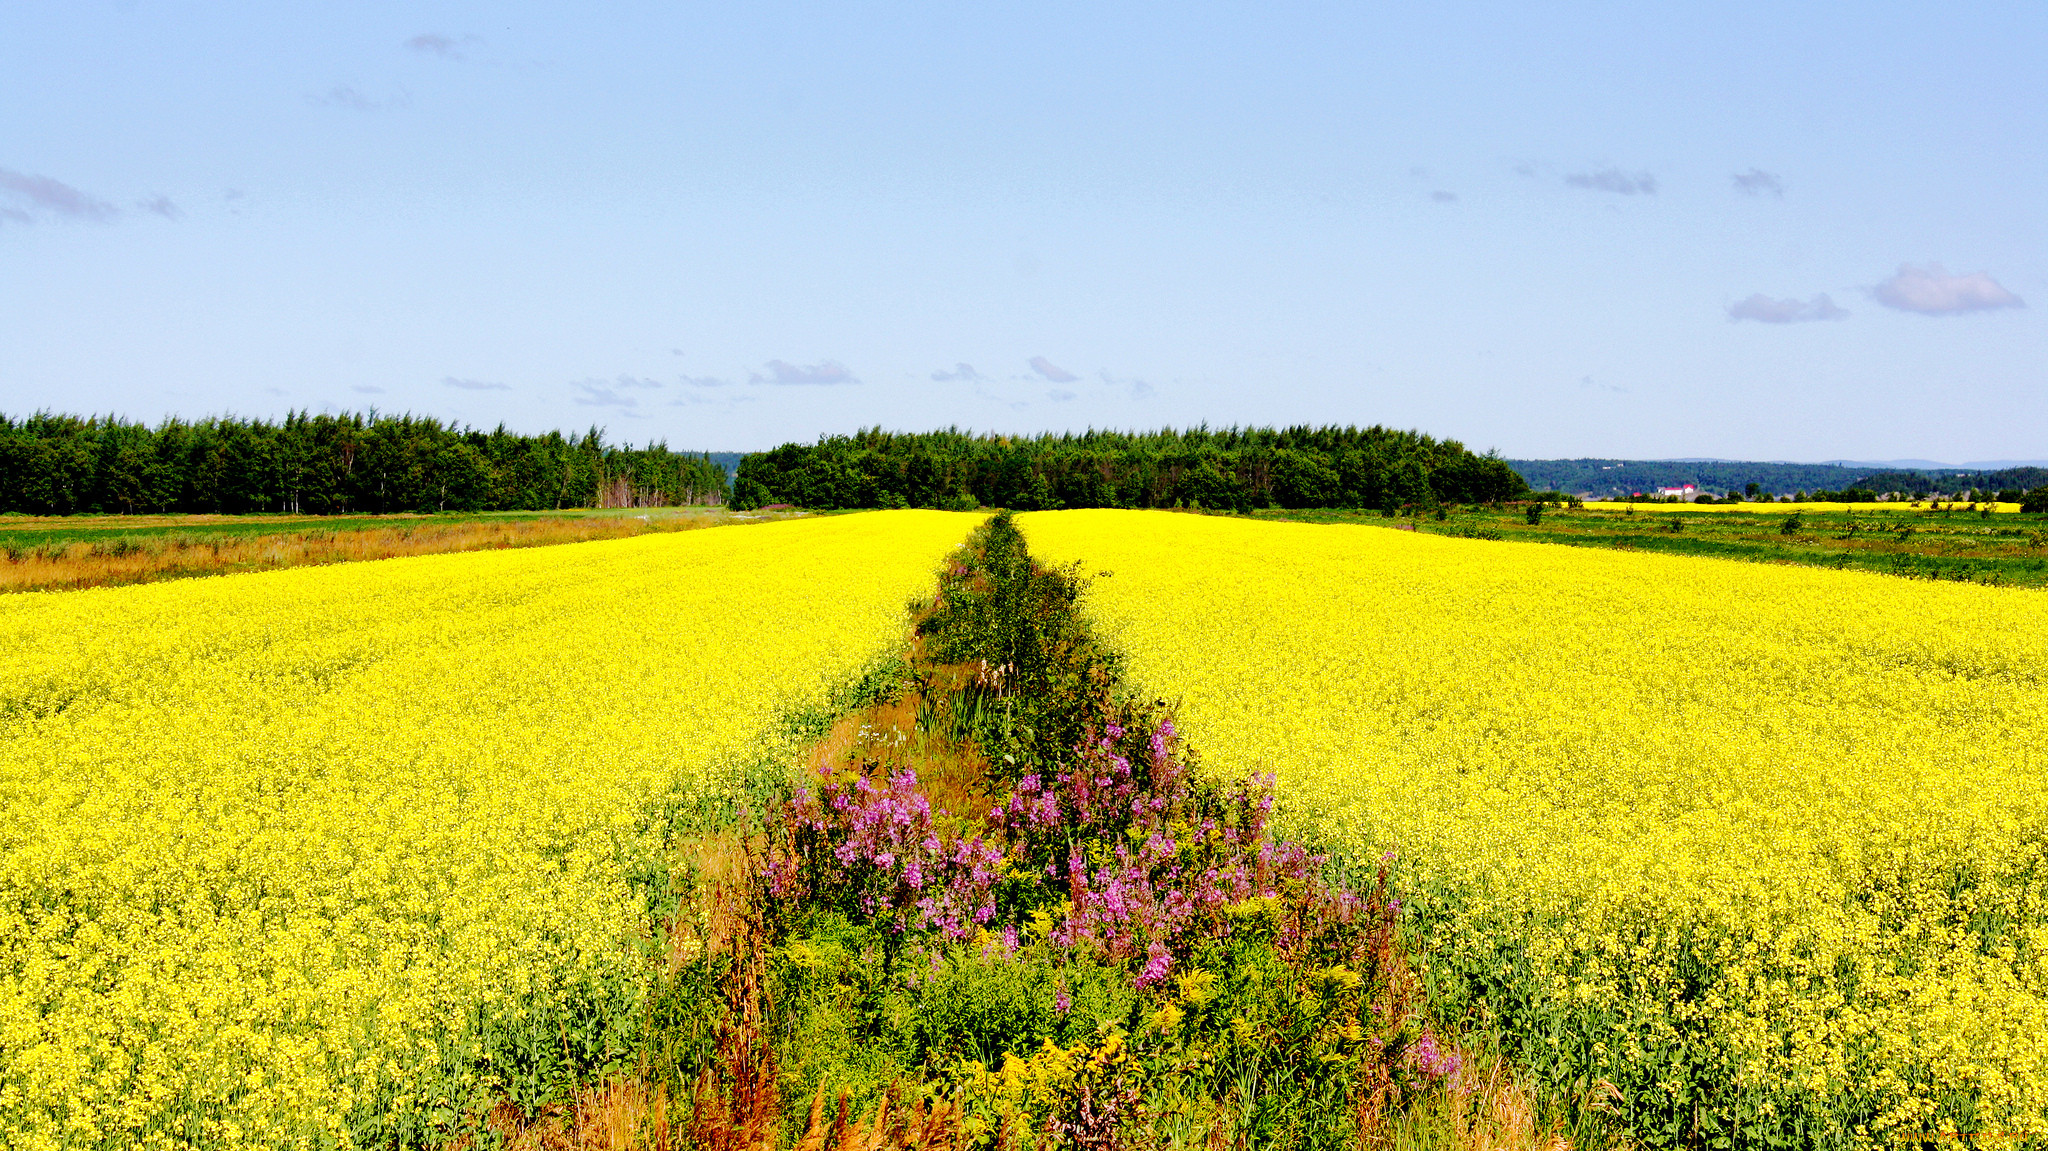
(286, 855)
(1745, 840)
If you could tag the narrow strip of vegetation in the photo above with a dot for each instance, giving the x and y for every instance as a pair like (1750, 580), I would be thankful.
(1003, 908)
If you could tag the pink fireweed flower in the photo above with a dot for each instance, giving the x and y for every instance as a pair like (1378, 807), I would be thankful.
(1157, 963)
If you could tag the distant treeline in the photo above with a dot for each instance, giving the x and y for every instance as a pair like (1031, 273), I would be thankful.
(328, 464)
(1234, 468)
(1610, 478)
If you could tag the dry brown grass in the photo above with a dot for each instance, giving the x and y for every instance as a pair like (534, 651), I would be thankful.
(129, 560)
(920, 1126)
(1487, 1107)
(619, 1116)
(886, 737)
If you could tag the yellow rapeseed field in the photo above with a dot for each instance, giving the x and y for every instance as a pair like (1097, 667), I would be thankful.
(312, 857)
(1762, 846)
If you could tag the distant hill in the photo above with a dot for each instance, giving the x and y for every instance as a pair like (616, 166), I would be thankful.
(1611, 478)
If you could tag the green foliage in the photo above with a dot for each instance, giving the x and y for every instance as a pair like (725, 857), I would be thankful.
(1235, 469)
(1041, 677)
(330, 464)
(2035, 502)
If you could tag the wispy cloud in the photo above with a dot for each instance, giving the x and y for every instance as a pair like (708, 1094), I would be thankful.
(1132, 386)
(705, 382)
(961, 373)
(160, 206)
(1443, 197)
(826, 372)
(1757, 182)
(612, 393)
(724, 400)
(446, 47)
(597, 394)
(474, 385)
(1051, 371)
(1059, 395)
(1765, 310)
(24, 197)
(1614, 180)
(1931, 291)
(368, 389)
(345, 96)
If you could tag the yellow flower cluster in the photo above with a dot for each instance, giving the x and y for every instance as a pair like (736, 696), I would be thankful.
(1762, 845)
(293, 857)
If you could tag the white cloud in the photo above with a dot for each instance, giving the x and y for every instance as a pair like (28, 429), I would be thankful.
(1051, 371)
(1931, 291)
(1757, 182)
(1615, 180)
(474, 385)
(1765, 310)
(825, 372)
(705, 382)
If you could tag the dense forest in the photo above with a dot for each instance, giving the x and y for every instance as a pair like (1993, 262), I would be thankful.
(325, 464)
(1618, 479)
(1232, 468)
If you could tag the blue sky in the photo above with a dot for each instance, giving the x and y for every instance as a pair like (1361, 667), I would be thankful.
(1764, 231)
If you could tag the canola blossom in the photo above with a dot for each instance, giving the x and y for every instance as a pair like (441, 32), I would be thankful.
(1762, 846)
(326, 856)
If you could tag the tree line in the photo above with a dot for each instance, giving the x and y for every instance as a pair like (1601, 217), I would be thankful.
(1233, 468)
(331, 464)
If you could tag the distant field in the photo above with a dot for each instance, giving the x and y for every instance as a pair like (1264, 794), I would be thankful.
(1762, 846)
(1895, 539)
(52, 553)
(19, 529)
